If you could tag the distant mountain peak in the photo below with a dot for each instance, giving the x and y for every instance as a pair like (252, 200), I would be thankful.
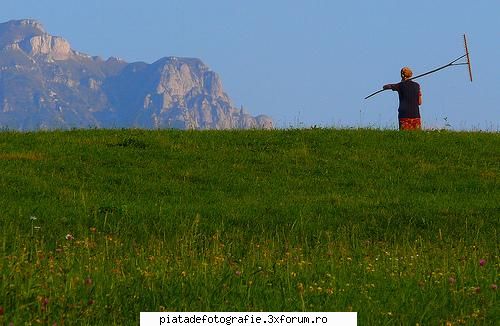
(32, 23)
(17, 30)
(44, 83)
(30, 36)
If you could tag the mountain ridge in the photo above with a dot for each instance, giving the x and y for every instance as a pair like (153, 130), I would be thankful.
(46, 84)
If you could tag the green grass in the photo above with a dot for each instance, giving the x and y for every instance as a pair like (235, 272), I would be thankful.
(401, 227)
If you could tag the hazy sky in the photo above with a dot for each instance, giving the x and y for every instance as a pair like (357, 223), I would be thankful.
(303, 62)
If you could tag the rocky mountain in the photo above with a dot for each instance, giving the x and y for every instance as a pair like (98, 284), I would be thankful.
(45, 84)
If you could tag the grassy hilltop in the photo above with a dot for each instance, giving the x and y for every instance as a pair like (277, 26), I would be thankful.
(402, 227)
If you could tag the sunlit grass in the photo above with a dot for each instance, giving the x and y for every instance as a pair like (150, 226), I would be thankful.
(400, 227)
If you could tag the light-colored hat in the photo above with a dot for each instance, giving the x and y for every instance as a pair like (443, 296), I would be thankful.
(406, 72)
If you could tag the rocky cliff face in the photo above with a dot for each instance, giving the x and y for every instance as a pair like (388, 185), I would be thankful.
(44, 84)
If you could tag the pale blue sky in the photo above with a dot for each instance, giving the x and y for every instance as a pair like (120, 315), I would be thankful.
(308, 62)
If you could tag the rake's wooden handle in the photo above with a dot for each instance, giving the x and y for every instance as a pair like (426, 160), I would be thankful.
(374, 93)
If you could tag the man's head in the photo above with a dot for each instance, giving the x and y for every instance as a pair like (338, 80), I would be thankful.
(406, 73)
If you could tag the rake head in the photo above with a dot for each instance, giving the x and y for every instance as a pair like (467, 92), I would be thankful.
(468, 57)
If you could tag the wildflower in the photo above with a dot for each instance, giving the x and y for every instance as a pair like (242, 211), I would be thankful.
(2, 311)
(494, 287)
(69, 237)
(477, 290)
(88, 281)
(33, 218)
(452, 280)
(44, 302)
(93, 229)
(482, 262)
(237, 273)
(90, 302)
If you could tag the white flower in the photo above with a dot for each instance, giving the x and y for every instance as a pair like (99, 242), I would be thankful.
(69, 236)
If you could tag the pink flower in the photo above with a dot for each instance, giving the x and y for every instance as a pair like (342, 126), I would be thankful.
(482, 262)
(44, 302)
(494, 287)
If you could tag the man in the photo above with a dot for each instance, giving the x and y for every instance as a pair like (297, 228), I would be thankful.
(410, 97)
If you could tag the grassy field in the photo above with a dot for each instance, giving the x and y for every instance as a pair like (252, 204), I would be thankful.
(98, 225)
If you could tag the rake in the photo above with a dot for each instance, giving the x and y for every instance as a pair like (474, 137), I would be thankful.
(452, 63)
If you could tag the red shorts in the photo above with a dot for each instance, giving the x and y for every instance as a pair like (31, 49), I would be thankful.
(410, 124)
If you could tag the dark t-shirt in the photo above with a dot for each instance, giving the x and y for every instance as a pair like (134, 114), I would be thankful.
(408, 91)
